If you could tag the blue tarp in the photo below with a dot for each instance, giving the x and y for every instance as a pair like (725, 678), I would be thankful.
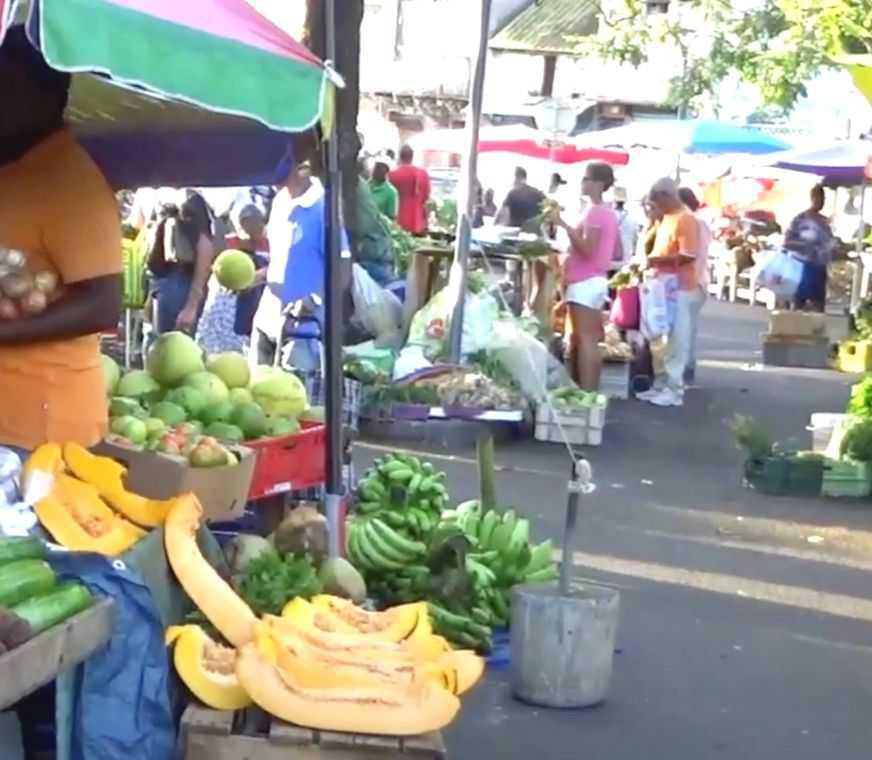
(117, 704)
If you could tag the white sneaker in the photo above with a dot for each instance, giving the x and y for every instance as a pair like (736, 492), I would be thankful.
(649, 394)
(667, 398)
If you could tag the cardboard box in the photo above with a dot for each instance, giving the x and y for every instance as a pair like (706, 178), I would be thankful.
(223, 491)
(797, 324)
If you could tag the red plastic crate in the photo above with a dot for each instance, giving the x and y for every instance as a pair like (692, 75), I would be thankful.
(289, 462)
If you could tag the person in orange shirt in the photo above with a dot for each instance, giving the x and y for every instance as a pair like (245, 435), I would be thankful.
(674, 253)
(58, 210)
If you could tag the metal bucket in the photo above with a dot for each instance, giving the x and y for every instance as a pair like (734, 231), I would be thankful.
(563, 645)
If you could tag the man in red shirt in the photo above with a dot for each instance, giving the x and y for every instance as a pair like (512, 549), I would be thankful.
(413, 185)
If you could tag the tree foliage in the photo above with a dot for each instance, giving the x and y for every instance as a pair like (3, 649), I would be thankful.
(776, 45)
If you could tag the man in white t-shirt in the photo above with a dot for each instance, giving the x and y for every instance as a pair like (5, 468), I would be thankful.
(689, 199)
(628, 228)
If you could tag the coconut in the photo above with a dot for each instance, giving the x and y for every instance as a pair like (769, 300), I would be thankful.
(174, 357)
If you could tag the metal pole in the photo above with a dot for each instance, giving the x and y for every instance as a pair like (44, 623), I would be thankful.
(466, 205)
(333, 313)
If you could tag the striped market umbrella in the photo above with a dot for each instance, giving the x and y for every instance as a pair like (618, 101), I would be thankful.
(178, 92)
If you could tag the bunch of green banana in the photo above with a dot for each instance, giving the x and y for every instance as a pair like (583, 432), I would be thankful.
(374, 547)
(461, 629)
(409, 495)
(411, 584)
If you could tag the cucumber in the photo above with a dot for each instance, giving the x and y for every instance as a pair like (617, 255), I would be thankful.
(43, 612)
(12, 549)
(23, 579)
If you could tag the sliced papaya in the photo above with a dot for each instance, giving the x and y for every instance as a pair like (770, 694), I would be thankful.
(402, 710)
(207, 668)
(207, 589)
(46, 459)
(146, 512)
(101, 472)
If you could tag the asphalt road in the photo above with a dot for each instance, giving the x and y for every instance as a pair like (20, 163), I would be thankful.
(746, 620)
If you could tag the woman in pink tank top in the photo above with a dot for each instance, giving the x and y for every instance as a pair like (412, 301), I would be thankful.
(592, 249)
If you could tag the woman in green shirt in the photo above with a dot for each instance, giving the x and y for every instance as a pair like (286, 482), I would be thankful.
(383, 192)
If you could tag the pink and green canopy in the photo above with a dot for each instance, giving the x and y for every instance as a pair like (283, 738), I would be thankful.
(178, 91)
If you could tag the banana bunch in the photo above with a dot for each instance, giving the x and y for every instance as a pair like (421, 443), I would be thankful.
(502, 559)
(407, 494)
(374, 547)
(462, 630)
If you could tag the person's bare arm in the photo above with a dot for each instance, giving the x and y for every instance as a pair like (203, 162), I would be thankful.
(202, 270)
(584, 241)
(85, 308)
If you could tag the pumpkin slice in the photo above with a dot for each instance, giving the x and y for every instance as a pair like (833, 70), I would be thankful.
(387, 710)
(207, 668)
(84, 525)
(46, 459)
(343, 616)
(417, 649)
(467, 665)
(103, 473)
(316, 666)
(147, 512)
(209, 591)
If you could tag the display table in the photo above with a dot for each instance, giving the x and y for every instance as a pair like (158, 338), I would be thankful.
(40, 660)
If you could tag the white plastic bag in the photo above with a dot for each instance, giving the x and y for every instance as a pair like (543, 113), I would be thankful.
(779, 272)
(377, 310)
(657, 297)
(533, 367)
(430, 326)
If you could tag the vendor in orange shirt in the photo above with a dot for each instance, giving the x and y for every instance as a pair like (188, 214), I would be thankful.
(674, 252)
(57, 209)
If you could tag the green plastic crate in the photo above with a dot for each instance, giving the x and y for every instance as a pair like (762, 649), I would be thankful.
(786, 476)
(846, 479)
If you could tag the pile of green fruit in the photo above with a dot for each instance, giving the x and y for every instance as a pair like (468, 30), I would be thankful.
(183, 392)
(572, 397)
(405, 493)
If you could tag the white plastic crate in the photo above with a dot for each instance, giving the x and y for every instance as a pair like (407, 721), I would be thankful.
(592, 416)
(576, 436)
(615, 380)
(581, 427)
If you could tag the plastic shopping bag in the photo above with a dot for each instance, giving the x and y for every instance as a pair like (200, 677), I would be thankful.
(658, 303)
(532, 366)
(625, 309)
(779, 272)
(430, 326)
(377, 310)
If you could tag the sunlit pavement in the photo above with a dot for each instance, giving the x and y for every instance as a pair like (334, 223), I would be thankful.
(746, 621)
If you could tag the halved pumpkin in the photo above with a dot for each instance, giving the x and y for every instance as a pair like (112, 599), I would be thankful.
(142, 511)
(84, 525)
(209, 591)
(46, 459)
(101, 472)
(207, 668)
(387, 710)
(342, 615)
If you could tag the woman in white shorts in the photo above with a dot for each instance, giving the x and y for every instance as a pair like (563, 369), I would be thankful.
(592, 247)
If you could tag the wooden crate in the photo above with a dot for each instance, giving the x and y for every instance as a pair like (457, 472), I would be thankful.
(38, 661)
(253, 735)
